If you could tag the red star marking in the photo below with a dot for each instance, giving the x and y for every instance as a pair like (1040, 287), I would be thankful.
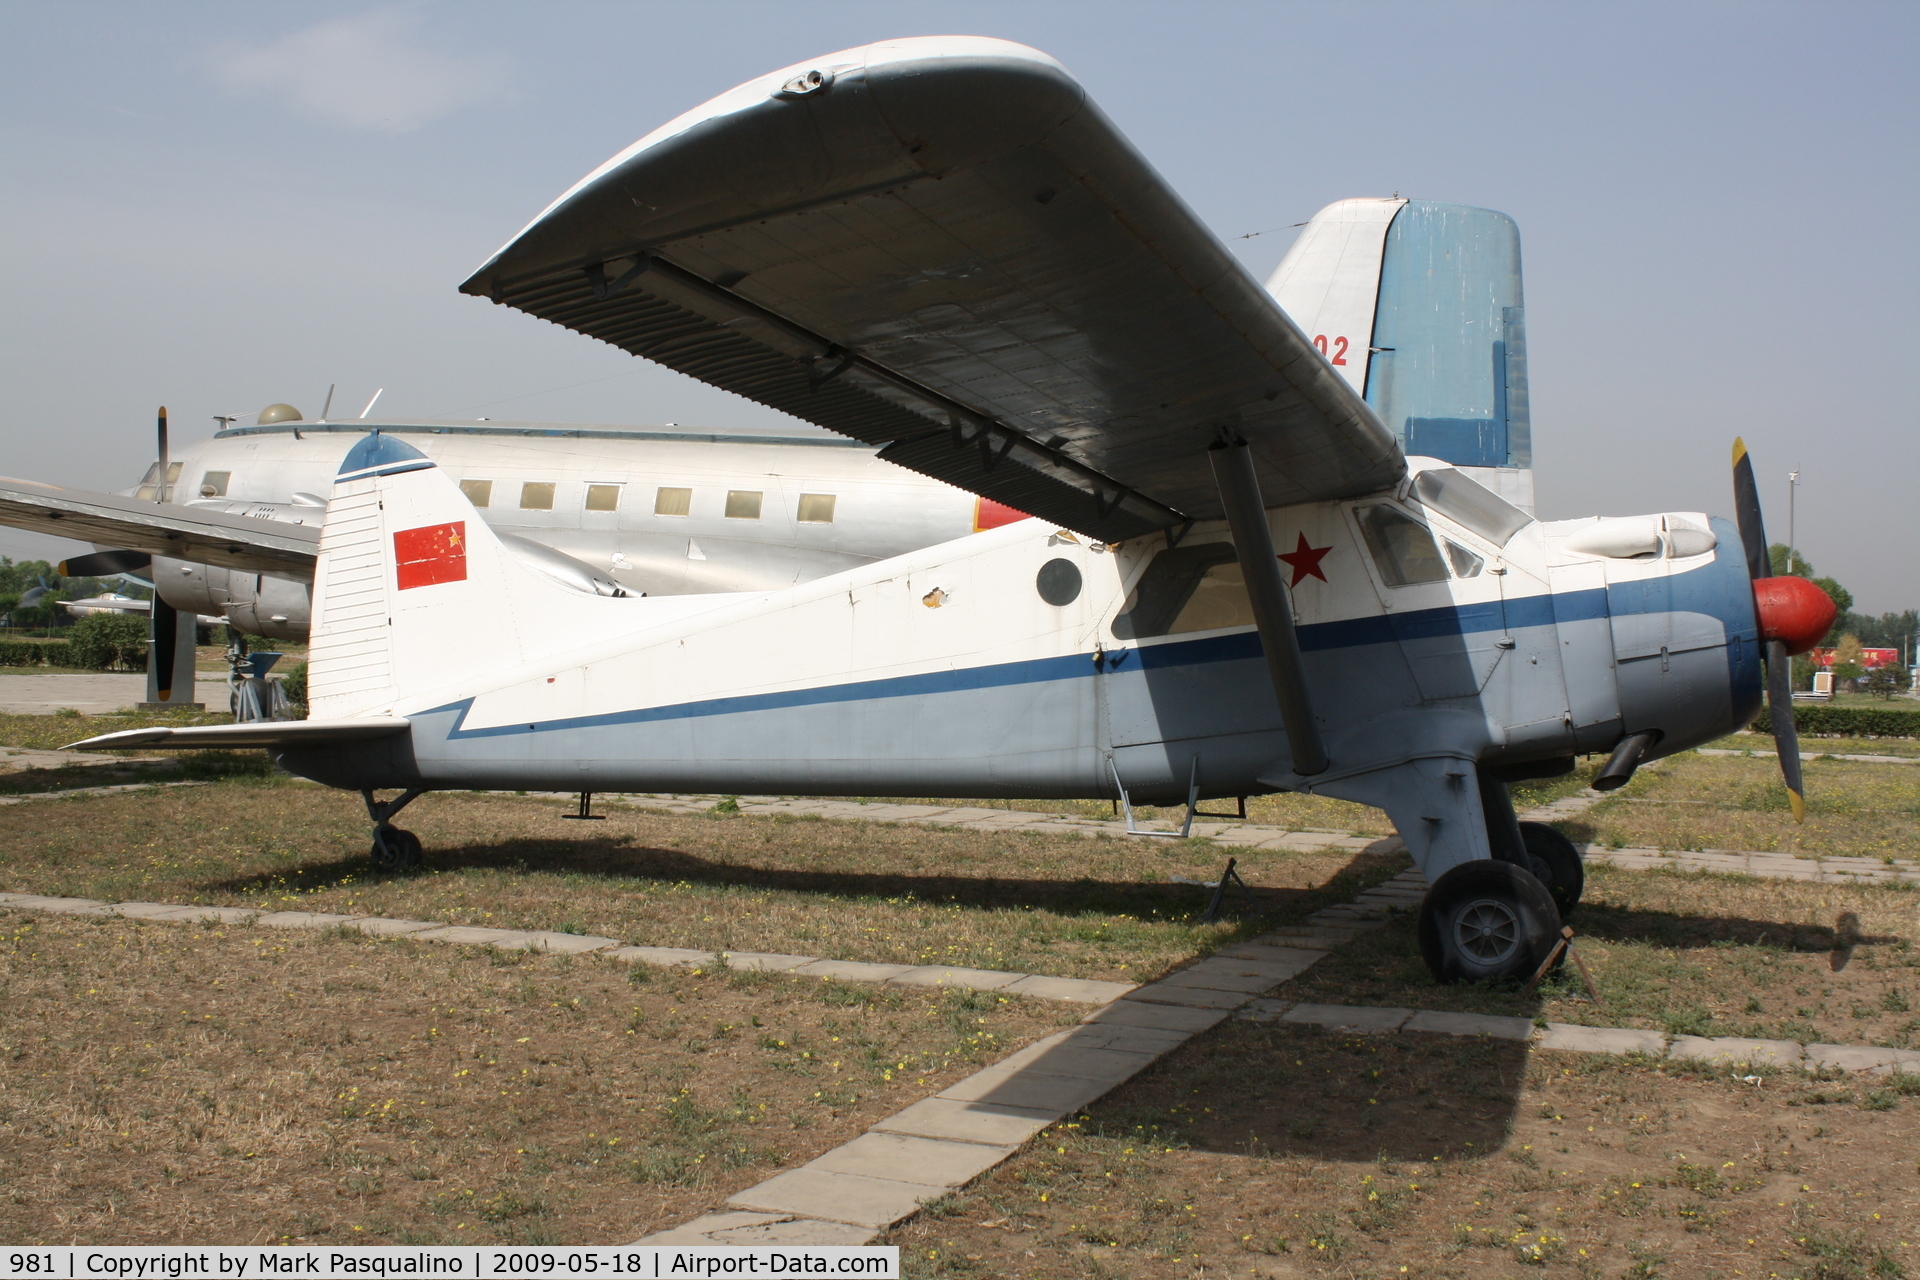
(1305, 561)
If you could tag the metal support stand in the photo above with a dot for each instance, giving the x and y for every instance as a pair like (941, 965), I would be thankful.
(1253, 543)
(586, 813)
(1193, 804)
(1566, 945)
(1228, 877)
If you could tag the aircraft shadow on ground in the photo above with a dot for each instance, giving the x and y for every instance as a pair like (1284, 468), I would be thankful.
(613, 859)
(1277, 1089)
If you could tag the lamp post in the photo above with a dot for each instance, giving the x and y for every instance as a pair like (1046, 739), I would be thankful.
(1793, 488)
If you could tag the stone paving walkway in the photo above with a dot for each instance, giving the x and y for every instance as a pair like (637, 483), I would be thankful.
(39, 695)
(1814, 755)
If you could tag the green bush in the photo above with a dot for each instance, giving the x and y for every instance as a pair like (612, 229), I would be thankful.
(102, 641)
(1815, 720)
(19, 653)
(295, 685)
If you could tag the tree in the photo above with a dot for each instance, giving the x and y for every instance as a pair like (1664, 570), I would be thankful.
(105, 640)
(1886, 680)
(1777, 555)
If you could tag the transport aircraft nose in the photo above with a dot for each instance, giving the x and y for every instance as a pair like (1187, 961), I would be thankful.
(1793, 611)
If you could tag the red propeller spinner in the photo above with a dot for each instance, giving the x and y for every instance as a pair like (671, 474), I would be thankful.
(1793, 611)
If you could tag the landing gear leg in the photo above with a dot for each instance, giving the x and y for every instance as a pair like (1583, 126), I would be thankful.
(393, 849)
(1536, 846)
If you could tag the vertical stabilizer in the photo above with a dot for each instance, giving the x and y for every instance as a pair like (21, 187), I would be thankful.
(414, 593)
(1436, 289)
(1329, 282)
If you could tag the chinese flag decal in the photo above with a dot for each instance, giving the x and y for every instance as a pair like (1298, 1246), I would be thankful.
(435, 553)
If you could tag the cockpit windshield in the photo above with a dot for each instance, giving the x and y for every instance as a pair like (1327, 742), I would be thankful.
(1470, 504)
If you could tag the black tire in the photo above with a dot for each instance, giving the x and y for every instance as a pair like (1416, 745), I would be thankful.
(1487, 919)
(1566, 877)
(396, 850)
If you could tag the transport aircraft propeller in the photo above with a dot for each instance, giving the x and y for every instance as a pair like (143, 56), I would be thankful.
(1793, 614)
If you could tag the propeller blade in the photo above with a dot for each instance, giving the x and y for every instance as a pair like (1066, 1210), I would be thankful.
(1746, 506)
(104, 564)
(1786, 736)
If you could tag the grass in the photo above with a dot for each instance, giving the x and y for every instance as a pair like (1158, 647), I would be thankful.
(48, 733)
(1270, 1150)
(1746, 741)
(1728, 802)
(163, 1084)
(1030, 902)
(1687, 954)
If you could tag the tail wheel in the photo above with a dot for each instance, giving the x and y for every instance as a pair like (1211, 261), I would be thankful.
(396, 850)
(1487, 919)
(1566, 875)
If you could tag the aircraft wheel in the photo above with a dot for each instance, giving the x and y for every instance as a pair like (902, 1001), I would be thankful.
(395, 850)
(1487, 919)
(1566, 876)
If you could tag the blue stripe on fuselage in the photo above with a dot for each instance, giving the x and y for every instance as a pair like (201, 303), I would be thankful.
(1448, 620)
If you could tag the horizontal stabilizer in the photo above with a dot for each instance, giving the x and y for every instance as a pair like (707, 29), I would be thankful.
(255, 733)
(941, 246)
(162, 529)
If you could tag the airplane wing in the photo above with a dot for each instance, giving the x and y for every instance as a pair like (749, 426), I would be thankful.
(943, 246)
(162, 529)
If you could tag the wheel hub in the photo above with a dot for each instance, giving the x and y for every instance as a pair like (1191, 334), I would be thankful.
(1488, 930)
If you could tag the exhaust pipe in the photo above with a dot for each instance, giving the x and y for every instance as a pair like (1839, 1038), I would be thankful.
(1625, 759)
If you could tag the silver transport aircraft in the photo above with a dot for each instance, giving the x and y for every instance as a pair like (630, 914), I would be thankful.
(1270, 548)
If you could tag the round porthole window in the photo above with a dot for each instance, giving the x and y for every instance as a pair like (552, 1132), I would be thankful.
(1059, 582)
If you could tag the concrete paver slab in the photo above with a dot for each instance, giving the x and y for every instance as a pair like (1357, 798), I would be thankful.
(1848, 1057)
(1111, 1035)
(695, 1232)
(673, 957)
(149, 910)
(852, 970)
(764, 961)
(836, 1197)
(1274, 953)
(1471, 1024)
(792, 1231)
(1343, 1017)
(563, 944)
(1031, 1090)
(1192, 997)
(1166, 1017)
(1735, 1050)
(1077, 990)
(933, 1162)
(1061, 1057)
(1264, 1010)
(303, 920)
(983, 1122)
(934, 975)
(380, 927)
(224, 915)
(470, 935)
(62, 906)
(1577, 1039)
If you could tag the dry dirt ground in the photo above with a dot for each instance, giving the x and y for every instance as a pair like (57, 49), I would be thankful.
(1264, 1150)
(201, 1085)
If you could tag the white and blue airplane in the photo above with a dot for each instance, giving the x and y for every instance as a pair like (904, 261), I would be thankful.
(1275, 545)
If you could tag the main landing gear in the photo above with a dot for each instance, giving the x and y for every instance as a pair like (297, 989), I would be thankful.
(1500, 917)
(393, 849)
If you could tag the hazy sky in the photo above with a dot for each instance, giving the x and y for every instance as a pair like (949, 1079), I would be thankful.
(216, 206)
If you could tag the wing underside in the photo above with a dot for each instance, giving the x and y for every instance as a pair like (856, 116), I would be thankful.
(162, 529)
(942, 247)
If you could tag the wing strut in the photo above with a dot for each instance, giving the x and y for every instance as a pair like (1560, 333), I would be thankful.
(1246, 515)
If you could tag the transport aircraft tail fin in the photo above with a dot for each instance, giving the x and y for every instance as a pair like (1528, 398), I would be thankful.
(414, 592)
(1418, 305)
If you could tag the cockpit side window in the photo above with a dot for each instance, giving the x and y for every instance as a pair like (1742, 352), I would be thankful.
(1401, 547)
(1197, 588)
(1476, 507)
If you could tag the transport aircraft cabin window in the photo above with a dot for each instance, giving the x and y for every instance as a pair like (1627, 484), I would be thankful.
(479, 492)
(1465, 563)
(603, 497)
(1196, 588)
(1401, 546)
(743, 504)
(536, 495)
(214, 484)
(672, 502)
(1475, 506)
(816, 508)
